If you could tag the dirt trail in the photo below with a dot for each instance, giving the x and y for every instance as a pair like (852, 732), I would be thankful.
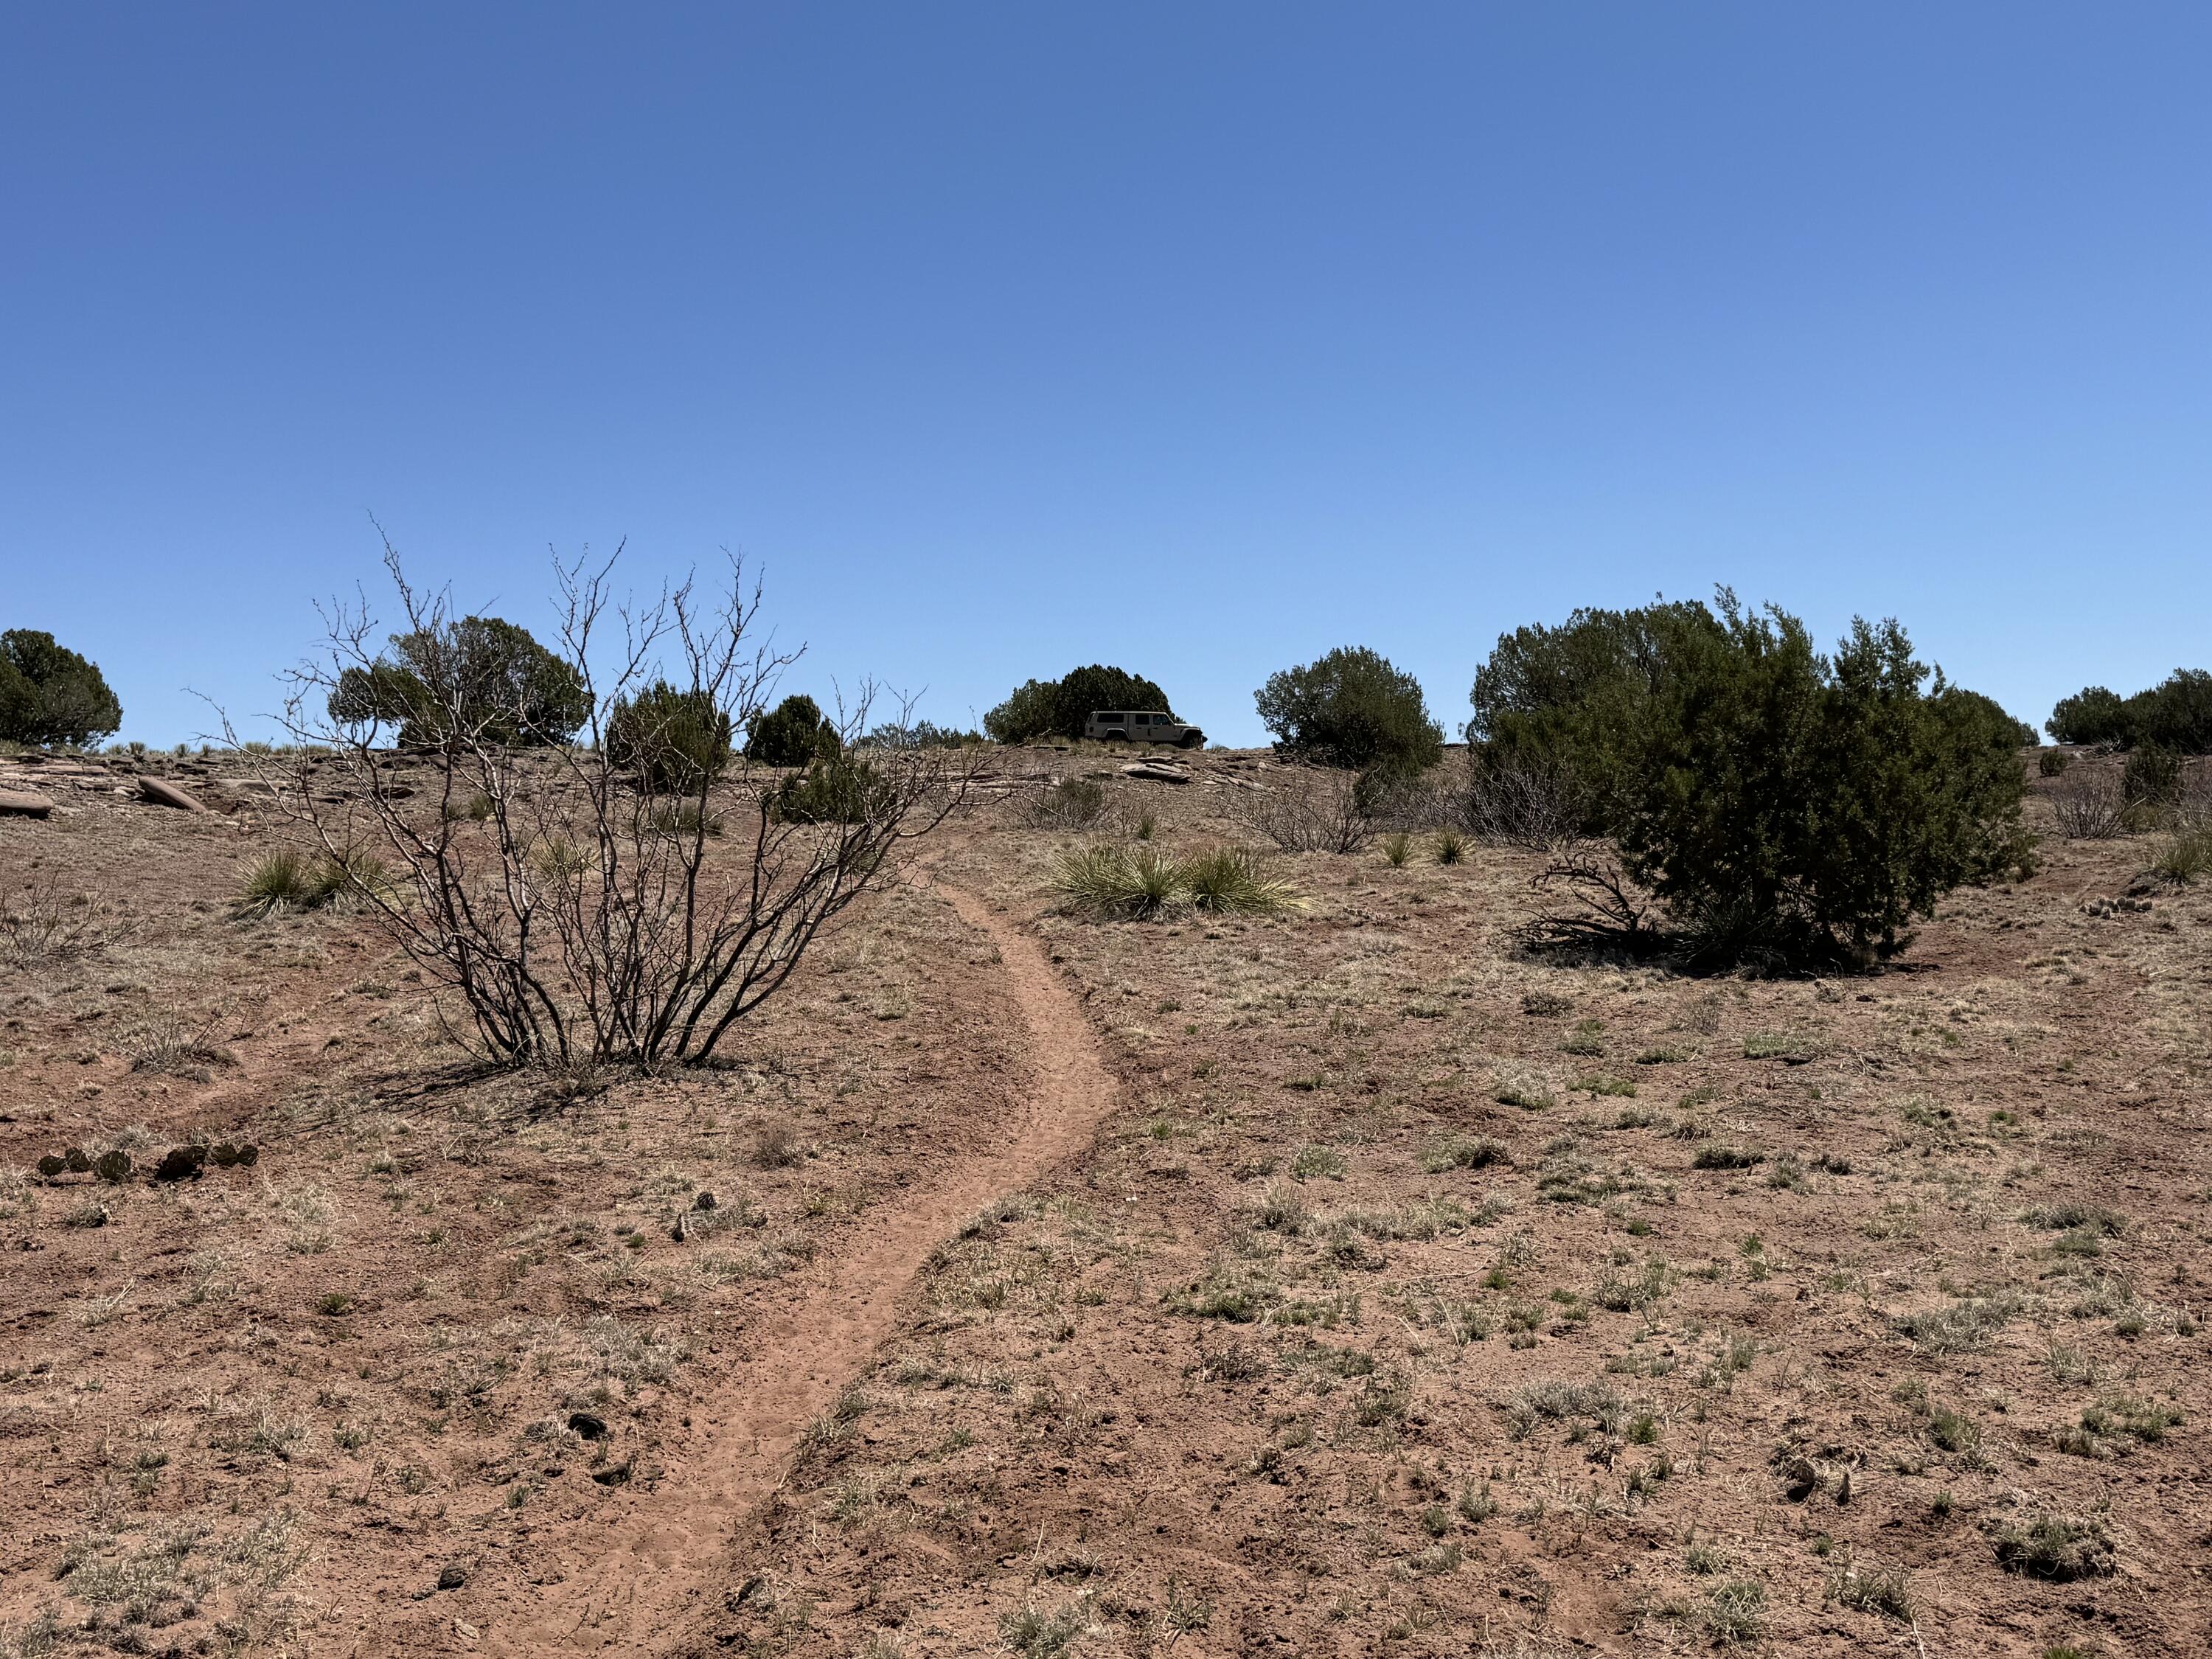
(622, 1592)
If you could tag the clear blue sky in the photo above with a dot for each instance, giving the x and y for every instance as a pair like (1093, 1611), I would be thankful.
(1198, 337)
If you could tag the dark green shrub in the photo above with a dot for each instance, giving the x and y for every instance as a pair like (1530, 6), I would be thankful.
(1352, 708)
(2053, 763)
(1556, 705)
(2176, 713)
(1024, 716)
(922, 735)
(2092, 715)
(833, 788)
(1788, 807)
(677, 741)
(479, 680)
(792, 733)
(1058, 708)
(2152, 777)
(51, 695)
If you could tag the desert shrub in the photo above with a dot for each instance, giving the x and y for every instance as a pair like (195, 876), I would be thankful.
(580, 930)
(1397, 848)
(1352, 708)
(51, 695)
(2176, 713)
(832, 789)
(1026, 715)
(2187, 857)
(1231, 879)
(288, 880)
(2090, 805)
(1058, 708)
(675, 740)
(275, 882)
(792, 733)
(476, 681)
(1071, 803)
(475, 808)
(920, 734)
(1110, 882)
(1311, 810)
(1558, 703)
(2152, 777)
(41, 924)
(2093, 715)
(1450, 846)
(2053, 763)
(1787, 807)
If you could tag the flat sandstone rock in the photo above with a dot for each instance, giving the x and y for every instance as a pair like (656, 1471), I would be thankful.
(21, 803)
(163, 792)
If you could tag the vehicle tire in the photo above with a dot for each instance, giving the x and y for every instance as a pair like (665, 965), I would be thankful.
(1191, 740)
(1116, 736)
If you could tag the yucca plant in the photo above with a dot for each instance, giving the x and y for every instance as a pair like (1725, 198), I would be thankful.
(1139, 883)
(1451, 847)
(280, 882)
(1397, 846)
(2187, 856)
(1230, 880)
(353, 877)
(1117, 881)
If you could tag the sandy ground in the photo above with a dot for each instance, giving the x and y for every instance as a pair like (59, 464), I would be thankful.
(1341, 1282)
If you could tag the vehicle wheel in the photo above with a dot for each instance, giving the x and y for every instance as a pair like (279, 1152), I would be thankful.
(1191, 740)
(1116, 737)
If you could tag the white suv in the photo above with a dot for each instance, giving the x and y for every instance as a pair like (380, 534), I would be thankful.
(1146, 726)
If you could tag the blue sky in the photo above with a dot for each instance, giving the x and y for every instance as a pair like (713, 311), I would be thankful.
(1197, 338)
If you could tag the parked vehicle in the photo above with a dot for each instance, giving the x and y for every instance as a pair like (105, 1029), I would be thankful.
(1141, 725)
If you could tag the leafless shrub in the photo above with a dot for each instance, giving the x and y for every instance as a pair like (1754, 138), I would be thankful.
(1598, 904)
(2089, 805)
(1070, 804)
(1534, 809)
(41, 924)
(644, 935)
(1313, 809)
(169, 1043)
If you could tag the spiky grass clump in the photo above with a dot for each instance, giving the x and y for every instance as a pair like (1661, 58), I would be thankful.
(1117, 881)
(1230, 880)
(285, 881)
(278, 883)
(1142, 882)
(1450, 846)
(1397, 848)
(2187, 857)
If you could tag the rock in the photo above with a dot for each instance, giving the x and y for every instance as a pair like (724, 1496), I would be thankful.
(587, 1426)
(452, 1578)
(22, 804)
(224, 1154)
(179, 1162)
(616, 1476)
(51, 1165)
(114, 1165)
(77, 1160)
(163, 792)
(1154, 772)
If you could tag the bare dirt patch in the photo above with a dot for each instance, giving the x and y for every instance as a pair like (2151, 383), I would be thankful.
(1399, 1293)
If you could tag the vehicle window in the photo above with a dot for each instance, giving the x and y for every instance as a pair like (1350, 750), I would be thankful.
(1143, 719)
